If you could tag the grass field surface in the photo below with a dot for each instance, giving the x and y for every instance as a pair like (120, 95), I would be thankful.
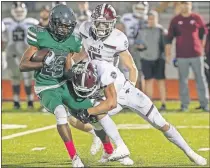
(148, 146)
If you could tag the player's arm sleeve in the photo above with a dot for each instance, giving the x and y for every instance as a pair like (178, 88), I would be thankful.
(32, 36)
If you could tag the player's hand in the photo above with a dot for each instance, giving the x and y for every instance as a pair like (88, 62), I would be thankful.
(49, 58)
(83, 116)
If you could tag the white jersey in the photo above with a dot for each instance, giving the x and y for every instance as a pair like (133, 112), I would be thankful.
(108, 74)
(16, 32)
(108, 49)
(132, 25)
(127, 95)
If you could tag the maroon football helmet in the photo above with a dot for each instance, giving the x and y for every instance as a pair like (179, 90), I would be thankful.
(103, 20)
(85, 82)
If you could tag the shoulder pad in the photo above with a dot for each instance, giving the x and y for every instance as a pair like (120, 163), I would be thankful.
(117, 40)
(33, 34)
(84, 29)
(126, 16)
(7, 21)
(31, 21)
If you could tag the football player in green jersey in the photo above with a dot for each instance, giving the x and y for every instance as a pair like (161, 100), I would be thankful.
(50, 84)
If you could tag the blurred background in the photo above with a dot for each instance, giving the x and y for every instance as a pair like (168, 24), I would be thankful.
(166, 11)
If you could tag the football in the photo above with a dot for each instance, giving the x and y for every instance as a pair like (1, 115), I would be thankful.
(40, 55)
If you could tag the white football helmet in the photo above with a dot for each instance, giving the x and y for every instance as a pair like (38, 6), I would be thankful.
(103, 20)
(19, 11)
(141, 9)
(85, 80)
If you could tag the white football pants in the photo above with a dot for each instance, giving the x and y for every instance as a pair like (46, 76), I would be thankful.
(132, 98)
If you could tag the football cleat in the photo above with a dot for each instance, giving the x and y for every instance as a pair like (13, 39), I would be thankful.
(119, 153)
(96, 145)
(127, 161)
(76, 162)
(104, 157)
(124, 161)
(197, 159)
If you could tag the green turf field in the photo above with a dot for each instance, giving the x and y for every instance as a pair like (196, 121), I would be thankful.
(148, 147)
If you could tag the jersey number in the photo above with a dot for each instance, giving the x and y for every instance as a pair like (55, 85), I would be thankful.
(18, 34)
(55, 70)
(132, 32)
(93, 55)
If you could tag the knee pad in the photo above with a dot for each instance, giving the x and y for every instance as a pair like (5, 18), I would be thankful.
(61, 115)
(97, 126)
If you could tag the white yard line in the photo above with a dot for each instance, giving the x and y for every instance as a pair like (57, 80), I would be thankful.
(119, 126)
(13, 126)
(28, 132)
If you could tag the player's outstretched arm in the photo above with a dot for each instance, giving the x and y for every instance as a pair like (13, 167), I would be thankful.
(25, 63)
(108, 104)
(128, 62)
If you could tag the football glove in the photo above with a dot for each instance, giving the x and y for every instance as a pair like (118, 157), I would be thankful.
(83, 116)
(50, 57)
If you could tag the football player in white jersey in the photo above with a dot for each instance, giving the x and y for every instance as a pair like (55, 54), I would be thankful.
(132, 22)
(15, 37)
(100, 75)
(102, 41)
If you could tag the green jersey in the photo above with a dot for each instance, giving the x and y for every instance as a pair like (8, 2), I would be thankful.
(51, 75)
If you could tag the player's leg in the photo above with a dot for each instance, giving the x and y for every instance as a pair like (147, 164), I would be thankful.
(121, 153)
(73, 102)
(108, 125)
(96, 145)
(52, 101)
(14, 74)
(108, 149)
(27, 77)
(140, 103)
